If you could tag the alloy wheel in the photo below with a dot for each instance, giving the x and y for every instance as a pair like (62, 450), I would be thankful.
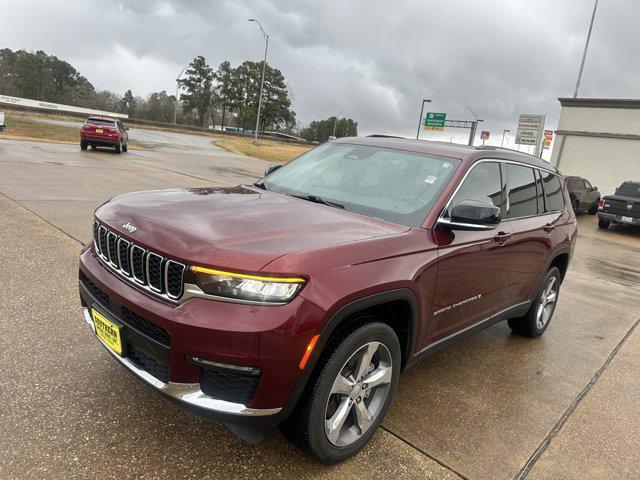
(358, 394)
(547, 303)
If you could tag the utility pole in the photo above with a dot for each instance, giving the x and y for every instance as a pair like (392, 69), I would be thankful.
(420, 119)
(474, 127)
(264, 67)
(504, 132)
(584, 53)
(175, 110)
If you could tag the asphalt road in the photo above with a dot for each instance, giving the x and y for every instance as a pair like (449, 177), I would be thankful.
(495, 405)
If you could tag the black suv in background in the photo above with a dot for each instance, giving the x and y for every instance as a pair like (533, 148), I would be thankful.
(583, 196)
(623, 207)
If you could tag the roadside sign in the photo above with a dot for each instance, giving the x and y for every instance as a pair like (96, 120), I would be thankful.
(485, 135)
(435, 121)
(529, 129)
(548, 138)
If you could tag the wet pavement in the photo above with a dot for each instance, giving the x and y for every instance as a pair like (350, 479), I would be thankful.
(494, 405)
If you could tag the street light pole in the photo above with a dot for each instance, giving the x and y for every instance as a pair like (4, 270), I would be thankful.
(503, 134)
(584, 53)
(420, 119)
(175, 110)
(264, 67)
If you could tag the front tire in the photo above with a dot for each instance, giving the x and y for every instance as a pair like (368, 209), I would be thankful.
(119, 147)
(537, 319)
(343, 407)
(593, 209)
(125, 147)
(603, 223)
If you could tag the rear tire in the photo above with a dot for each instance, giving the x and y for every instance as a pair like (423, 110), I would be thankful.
(537, 319)
(339, 411)
(83, 145)
(603, 223)
(575, 205)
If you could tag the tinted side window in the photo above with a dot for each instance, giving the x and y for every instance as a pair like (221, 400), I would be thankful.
(483, 183)
(587, 185)
(539, 191)
(522, 197)
(552, 192)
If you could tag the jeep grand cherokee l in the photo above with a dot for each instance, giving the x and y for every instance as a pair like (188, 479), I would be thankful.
(299, 299)
(104, 132)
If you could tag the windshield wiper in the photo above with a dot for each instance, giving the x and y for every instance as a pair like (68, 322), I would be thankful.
(260, 185)
(316, 199)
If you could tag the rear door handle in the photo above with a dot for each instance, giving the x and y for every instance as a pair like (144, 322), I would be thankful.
(502, 237)
(549, 227)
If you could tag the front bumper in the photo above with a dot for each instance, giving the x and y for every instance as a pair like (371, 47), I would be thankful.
(271, 339)
(188, 393)
(614, 218)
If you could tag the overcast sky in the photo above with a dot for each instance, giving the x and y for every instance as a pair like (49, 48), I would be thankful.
(371, 60)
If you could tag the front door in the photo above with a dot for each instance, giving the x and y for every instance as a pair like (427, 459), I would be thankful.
(472, 265)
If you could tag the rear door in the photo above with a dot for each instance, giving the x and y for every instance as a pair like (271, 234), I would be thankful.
(472, 265)
(530, 242)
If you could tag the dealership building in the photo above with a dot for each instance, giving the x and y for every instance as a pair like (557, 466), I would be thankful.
(599, 139)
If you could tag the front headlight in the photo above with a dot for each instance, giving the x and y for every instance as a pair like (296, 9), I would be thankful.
(247, 287)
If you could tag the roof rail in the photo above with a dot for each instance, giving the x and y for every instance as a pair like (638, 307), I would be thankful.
(382, 135)
(493, 147)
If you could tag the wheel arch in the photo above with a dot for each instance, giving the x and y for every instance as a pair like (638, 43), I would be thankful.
(347, 317)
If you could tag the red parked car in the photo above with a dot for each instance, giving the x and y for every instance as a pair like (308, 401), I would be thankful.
(104, 132)
(300, 299)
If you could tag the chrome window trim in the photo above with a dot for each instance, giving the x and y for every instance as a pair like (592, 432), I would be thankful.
(443, 220)
(102, 249)
(189, 393)
(148, 257)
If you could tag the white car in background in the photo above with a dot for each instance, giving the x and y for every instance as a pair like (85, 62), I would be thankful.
(2, 125)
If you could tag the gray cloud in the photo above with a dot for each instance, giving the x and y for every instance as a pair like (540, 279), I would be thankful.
(373, 60)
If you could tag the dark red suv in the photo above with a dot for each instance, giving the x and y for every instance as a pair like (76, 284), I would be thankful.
(300, 299)
(104, 132)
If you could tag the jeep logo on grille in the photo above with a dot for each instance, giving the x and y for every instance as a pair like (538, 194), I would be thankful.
(129, 228)
(629, 206)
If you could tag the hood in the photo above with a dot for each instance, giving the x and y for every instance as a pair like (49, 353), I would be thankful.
(241, 227)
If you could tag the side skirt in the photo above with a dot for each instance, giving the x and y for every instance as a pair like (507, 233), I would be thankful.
(517, 310)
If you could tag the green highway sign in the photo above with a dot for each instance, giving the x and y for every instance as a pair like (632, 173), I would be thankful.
(435, 121)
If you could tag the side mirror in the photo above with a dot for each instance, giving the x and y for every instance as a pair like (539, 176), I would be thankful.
(595, 189)
(271, 168)
(126, 129)
(472, 215)
(616, 192)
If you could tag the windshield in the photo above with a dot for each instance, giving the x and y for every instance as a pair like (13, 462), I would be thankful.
(629, 190)
(392, 185)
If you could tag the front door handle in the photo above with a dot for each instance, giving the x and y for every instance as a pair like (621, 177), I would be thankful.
(502, 237)
(549, 227)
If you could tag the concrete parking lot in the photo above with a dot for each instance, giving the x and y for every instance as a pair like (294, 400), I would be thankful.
(495, 405)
